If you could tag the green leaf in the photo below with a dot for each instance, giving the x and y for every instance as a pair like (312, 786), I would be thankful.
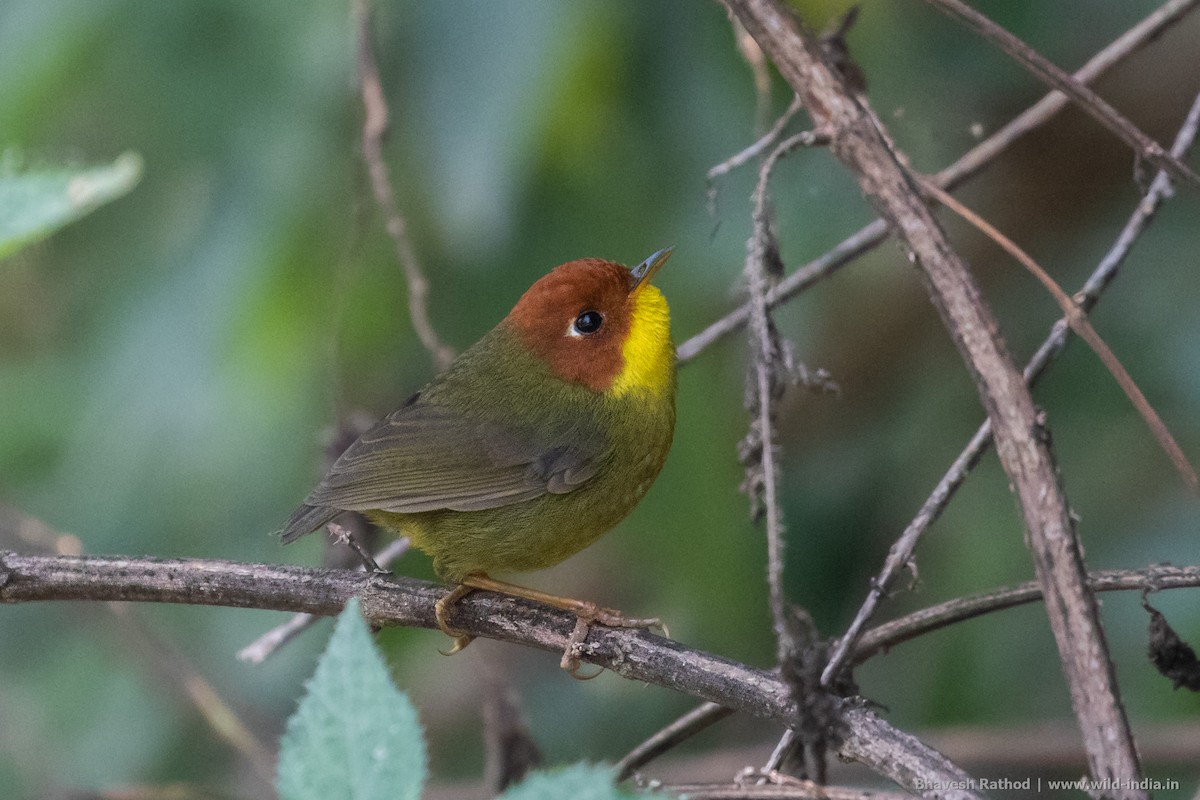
(36, 203)
(578, 782)
(354, 735)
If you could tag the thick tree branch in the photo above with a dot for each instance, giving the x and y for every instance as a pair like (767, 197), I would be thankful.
(792, 789)
(391, 600)
(261, 648)
(860, 143)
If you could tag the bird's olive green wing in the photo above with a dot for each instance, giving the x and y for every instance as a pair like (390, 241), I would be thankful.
(426, 457)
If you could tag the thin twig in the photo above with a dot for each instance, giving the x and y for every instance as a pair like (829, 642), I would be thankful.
(389, 600)
(174, 669)
(752, 54)
(965, 168)
(901, 552)
(884, 637)
(1077, 319)
(375, 127)
(860, 142)
(1053, 746)
(699, 718)
(759, 147)
(1160, 190)
(783, 747)
(1144, 32)
(158, 657)
(264, 646)
(1042, 68)
(509, 747)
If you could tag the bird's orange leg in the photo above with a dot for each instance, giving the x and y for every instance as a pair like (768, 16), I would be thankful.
(586, 611)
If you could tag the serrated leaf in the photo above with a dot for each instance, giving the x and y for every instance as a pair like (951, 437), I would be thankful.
(36, 203)
(354, 736)
(578, 782)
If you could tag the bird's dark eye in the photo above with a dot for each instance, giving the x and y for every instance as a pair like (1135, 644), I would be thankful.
(587, 323)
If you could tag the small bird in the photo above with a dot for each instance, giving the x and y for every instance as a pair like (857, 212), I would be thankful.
(534, 442)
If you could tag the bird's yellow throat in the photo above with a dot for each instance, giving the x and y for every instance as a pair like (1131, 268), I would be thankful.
(648, 353)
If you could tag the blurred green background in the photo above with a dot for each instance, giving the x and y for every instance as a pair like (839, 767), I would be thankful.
(169, 365)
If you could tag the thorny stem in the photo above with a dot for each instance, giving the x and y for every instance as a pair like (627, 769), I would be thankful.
(774, 513)
(902, 551)
(766, 366)
(965, 168)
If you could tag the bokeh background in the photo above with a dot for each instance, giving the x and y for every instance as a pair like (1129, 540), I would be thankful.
(170, 365)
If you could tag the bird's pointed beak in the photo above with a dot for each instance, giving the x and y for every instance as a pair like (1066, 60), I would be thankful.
(644, 271)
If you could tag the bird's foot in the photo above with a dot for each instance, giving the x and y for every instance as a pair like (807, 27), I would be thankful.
(587, 614)
(441, 610)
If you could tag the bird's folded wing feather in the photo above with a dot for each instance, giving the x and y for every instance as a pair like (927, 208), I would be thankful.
(426, 457)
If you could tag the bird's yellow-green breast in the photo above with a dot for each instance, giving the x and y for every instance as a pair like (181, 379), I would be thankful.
(535, 441)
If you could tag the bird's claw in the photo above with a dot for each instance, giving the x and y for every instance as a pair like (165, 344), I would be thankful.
(570, 657)
(460, 642)
(441, 610)
(589, 614)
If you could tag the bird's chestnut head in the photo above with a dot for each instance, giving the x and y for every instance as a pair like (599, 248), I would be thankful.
(601, 325)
